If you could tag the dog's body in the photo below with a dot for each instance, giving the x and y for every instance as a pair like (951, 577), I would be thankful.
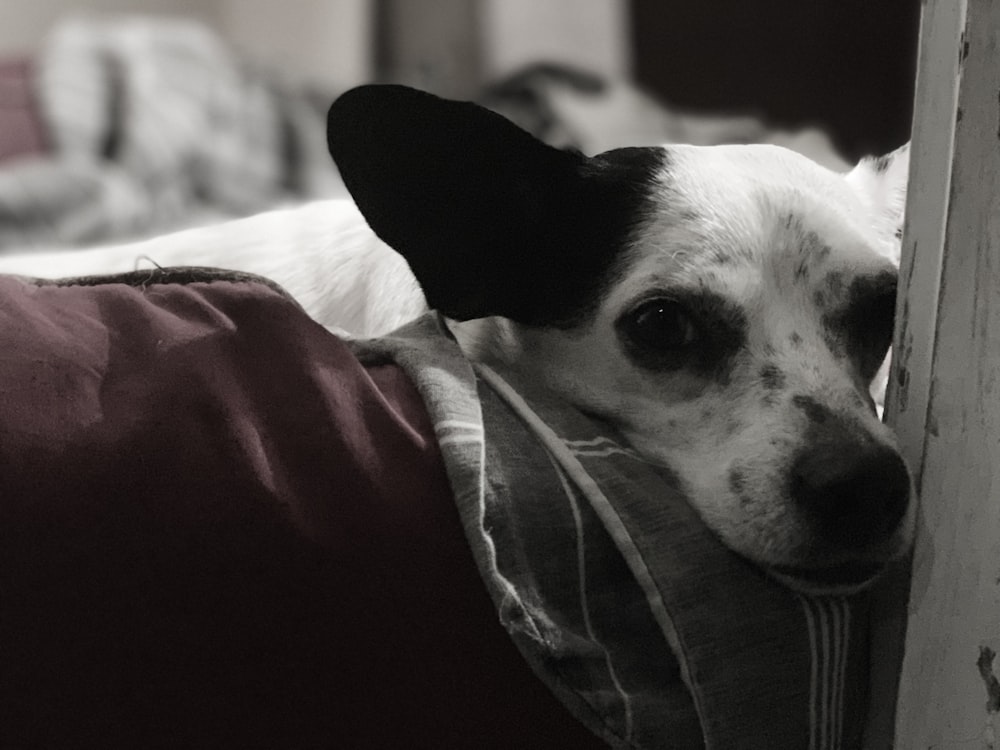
(726, 308)
(323, 253)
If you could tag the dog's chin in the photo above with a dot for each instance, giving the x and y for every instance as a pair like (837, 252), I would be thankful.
(835, 580)
(840, 574)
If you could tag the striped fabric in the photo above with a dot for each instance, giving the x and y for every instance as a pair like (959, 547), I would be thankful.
(829, 625)
(648, 629)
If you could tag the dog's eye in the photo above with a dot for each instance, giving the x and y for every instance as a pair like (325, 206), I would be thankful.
(660, 325)
(683, 329)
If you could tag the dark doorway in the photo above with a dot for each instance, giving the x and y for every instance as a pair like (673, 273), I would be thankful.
(847, 65)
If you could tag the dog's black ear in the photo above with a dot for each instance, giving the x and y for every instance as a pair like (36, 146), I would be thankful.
(491, 220)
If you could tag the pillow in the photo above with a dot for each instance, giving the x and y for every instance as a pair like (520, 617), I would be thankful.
(217, 529)
(220, 525)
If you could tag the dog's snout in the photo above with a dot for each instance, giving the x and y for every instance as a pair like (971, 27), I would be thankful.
(856, 495)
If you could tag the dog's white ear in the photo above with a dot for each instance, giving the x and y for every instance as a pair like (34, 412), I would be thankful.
(881, 183)
(491, 220)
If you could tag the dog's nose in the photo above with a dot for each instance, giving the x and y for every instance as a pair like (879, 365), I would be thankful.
(856, 495)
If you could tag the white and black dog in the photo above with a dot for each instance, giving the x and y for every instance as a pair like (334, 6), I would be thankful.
(725, 308)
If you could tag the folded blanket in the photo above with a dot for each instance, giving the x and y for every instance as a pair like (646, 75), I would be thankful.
(221, 526)
(650, 630)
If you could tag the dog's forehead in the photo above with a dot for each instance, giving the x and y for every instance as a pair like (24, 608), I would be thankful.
(734, 170)
(738, 213)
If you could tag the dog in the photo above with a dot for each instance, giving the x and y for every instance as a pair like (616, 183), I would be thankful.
(725, 308)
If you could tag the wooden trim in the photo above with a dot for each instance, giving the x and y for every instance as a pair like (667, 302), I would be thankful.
(942, 25)
(945, 399)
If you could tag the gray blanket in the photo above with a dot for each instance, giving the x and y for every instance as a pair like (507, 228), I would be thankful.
(649, 630)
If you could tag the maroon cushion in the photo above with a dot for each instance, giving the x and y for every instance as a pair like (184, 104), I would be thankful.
(218, 530)
(22, 131)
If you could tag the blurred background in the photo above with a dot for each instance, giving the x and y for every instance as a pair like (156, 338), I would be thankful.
(125, 118)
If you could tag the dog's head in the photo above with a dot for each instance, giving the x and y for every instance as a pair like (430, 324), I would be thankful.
(725, 308)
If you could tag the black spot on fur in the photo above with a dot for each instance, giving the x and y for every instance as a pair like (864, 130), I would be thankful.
(835, 342)
(802, 270)
(795, 339)
(737, 481)
(830, 291)
(773, 380)
(733, 423)
(880, 164)
(722, 258)
(815, 411)
(738, 486)
(813, 248)
(772, 377)
(811, 252)
(834, 282)
(491, 220)
(818, 249)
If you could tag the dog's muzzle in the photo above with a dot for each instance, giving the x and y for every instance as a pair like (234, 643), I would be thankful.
(854, 496)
